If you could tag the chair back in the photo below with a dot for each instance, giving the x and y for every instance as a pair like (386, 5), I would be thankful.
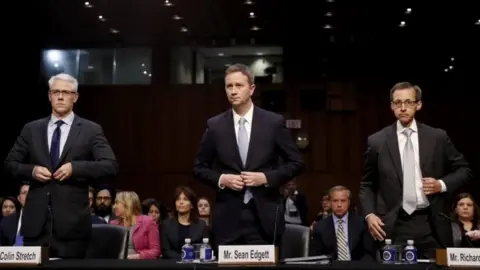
(108, 242)
(295, 241)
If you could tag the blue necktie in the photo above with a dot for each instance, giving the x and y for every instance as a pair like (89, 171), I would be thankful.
(18, 240)
(55, 145)
(243, 149)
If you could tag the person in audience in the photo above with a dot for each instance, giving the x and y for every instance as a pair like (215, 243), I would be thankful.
(295, 205)
(95, 218)
(157, 211)
(256, 155)
(103, 203)
(10, 225)
(10, 206)
(410, 170)
(466, 228)
(342, 235)
(204, 210)
(184, 224)
(144, 240)
(325, 209)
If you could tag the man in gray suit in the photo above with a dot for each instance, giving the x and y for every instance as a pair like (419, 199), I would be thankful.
(59, 156)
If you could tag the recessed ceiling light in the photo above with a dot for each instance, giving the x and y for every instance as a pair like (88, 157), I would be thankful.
(259, 53)
(255, 28)
(330, 1)
(452, 59)
(408, 11)
(248, 2)
(327, 26)
(176, 17)
(114, 31)
(478, 22)
(88, 5)
(403, 24)
(450, 67)
(329, 14)
(446, 70)
(183, 29)
(251, 15)
(220, 54)
(101, 18)
(168, 3)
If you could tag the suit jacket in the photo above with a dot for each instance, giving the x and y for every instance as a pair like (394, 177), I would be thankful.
(8, 229)
(145, 237)
(97, 220)
(170, 237)
(270, 140)
(360, 242)
(91, 157)
(301, 203)
(381, 187)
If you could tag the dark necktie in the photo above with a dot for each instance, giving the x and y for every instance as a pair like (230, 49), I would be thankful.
(55, 144)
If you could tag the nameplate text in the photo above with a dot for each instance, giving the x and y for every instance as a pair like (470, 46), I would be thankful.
(246, 254)
(463, 257)
(21, 255)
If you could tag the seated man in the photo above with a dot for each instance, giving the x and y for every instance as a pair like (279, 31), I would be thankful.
(342, 235)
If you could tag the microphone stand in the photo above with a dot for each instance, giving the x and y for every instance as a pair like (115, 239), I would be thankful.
(50, 216)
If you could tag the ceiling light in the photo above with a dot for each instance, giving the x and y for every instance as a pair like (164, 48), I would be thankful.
(88, 5)
(150, 75)
(259, 53)
(330, 1)
(327, 26)
(220, 54)
(176, 17)
(329, 14)
(184, 29)
(408, 11)
(478, 22)
(101, 18)
(450, 67)
(446, 70)
(114, 31)
(403, 24)
(248, 2)
(251, 15)
(255, 28)
(145, 72)
(452, 59)
(168, 3)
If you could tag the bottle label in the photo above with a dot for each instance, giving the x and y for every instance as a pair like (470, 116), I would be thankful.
(208, 254)
(388, 255)
(410, 256)
(188, 253)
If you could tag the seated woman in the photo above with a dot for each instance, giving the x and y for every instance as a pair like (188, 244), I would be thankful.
(144, 241)
(183, 224)
(466, 228)
(204, 210)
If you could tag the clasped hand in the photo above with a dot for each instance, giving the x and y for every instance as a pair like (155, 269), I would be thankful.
(248, 179)
(42, 174)
(474, 235)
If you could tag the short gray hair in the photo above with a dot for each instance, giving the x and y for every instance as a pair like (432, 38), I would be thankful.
(63, 77)
(407, 85)
(245, 70)
(340, 188)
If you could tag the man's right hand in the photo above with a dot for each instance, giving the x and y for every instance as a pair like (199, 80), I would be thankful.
(41, 174)
(232, 181)
(375, 226)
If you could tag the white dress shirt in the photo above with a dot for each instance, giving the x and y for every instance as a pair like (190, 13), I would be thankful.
(64, 130)
(422, 201)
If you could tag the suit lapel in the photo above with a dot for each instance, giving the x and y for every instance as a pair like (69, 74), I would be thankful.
(352, 232)
(254, 136)
(231, 138)
(392, 143)
(44, 143)
(424, 145)
(72, 136)
(331, 235)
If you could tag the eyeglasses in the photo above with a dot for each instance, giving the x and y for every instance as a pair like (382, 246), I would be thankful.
(63, 92)
(407, 103)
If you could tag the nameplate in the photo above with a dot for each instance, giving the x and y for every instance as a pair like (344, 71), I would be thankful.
(463, 257)
(251, 254)
(21, 255)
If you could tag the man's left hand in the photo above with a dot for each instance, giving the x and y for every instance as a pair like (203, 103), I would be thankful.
(253, 179)
(63, 172)
(431, 186)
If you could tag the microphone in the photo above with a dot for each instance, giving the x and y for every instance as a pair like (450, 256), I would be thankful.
(453, 221)
(50, 216)
(275, 225)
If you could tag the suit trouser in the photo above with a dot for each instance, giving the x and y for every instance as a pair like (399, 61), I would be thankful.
(58, 247)
(418, 227)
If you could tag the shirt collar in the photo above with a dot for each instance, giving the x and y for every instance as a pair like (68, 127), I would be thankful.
(67, 119)
(401, 128)
(248, 116)
(336, 219)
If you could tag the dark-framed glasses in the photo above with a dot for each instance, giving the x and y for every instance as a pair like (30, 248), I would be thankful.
(407, 103)
(57, 92)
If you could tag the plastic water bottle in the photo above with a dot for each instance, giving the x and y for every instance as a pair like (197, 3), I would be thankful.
(410, 253)
(188, 251)
(389, 253)
(206, 251)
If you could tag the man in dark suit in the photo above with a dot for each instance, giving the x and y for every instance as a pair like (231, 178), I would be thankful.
(410, 170)
(60, 155)
(342, 235)
(245, 145)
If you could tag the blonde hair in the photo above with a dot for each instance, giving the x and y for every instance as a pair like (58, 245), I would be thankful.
(133, 207)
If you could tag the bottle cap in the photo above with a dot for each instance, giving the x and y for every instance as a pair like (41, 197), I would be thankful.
(205, 240)
(410, 242)
(388, 241)
(188, 240)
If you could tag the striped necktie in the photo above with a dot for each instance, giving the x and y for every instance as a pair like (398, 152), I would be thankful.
(342, 248)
